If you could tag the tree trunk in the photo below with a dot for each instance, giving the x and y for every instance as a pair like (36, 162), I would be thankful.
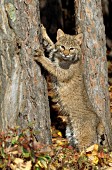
(23, 92)
(90, 22)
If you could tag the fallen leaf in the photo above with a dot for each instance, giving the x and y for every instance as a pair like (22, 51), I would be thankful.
(91, 148)
(93, 159)
(18, 161)
(60, 134)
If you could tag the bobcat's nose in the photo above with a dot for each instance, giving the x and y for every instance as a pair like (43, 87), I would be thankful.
(66, 52)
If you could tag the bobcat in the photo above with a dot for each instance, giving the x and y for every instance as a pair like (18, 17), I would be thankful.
(65, 67)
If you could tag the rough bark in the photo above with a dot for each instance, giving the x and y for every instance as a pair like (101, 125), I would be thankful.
(23, 96)
(90, 22)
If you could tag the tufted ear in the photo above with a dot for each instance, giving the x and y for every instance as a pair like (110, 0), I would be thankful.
(60, 33)
(79, 38)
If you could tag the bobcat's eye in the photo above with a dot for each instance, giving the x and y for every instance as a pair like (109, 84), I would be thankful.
(62, 48)
(71, 48)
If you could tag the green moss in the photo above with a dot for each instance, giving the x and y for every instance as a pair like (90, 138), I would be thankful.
(11, 11)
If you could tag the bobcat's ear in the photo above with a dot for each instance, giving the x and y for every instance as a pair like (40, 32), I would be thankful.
(79, 38)
(60, 33)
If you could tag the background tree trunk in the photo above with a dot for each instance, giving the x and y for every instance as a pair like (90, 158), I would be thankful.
(107, 16)
(89, 20)
(23, 93)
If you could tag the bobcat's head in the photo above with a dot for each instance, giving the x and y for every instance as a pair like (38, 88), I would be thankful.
(68, 46)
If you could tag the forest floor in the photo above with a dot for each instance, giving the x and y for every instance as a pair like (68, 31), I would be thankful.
(22, 152)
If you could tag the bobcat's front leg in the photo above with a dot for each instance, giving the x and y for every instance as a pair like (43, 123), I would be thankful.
(61, 74)
(45, 62)
(38, 54)
(47, 42)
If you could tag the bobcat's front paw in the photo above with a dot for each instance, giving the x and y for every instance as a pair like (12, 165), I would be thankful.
(38, 53)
